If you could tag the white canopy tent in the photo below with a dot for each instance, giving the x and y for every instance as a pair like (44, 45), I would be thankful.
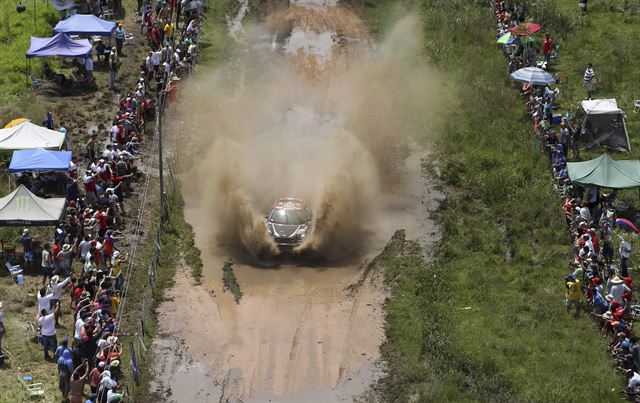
(23, 208)
(27, 135)
(603, 125)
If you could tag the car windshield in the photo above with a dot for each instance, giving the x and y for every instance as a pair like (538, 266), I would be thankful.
(287, 217)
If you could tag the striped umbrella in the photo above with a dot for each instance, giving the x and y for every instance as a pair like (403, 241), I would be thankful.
(533, 75)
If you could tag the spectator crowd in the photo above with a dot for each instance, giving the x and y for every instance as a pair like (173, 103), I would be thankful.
(83, 266)
(598, 280)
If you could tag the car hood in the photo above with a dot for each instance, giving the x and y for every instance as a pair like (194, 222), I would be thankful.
(283, 230)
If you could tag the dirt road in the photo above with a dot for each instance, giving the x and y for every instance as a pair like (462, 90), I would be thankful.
(324, 120)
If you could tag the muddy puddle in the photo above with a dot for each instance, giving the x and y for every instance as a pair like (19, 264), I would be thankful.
(334, 119)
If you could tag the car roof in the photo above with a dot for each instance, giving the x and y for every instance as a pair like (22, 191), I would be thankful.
(289, 203)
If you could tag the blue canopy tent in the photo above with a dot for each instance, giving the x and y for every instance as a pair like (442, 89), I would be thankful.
(58, 45)
(38, 159)
(85, 24)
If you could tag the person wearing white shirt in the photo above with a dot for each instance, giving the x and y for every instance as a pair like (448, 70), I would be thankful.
(47, 322)
(108, 154)
(618, 289)
(84, 247)
(114, 133)
(77, 332)
(625, 254)
(44, 299)
(57, 287)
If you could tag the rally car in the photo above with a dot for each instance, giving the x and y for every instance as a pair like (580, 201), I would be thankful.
(288, 221)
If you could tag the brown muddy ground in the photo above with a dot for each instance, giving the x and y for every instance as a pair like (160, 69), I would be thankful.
(338, 131)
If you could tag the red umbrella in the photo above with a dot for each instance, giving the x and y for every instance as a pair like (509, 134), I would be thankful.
(526, 28)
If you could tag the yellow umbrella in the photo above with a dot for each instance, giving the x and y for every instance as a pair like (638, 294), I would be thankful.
(15, 122)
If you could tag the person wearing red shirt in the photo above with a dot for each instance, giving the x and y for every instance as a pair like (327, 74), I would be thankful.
(55, 249)
(102, 222)
(547, 45)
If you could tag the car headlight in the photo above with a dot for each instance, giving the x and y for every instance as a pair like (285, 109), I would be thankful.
(302, 231)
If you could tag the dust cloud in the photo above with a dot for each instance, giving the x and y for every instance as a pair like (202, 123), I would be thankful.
(313, 109)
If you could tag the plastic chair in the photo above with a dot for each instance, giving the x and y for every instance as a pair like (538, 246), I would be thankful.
(636, 106)
(33, 389)
(13, 270)
(107, 13)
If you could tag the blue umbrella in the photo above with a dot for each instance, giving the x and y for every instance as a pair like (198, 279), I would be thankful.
(533, 75)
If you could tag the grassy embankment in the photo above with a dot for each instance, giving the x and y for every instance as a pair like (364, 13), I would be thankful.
(485, 319)
(15, 30)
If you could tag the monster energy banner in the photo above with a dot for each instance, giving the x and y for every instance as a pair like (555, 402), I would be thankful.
(23, 208)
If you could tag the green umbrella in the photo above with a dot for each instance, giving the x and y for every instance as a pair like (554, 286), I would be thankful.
(504, 38)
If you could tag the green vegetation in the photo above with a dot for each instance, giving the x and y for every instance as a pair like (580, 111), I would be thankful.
(231, 282)
(15, 30)
(485, 319)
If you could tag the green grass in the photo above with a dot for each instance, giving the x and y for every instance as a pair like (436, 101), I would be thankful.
(485, 320)
(15, 30)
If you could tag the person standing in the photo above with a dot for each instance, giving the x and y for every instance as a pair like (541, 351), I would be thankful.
(120, 35)
(27, 247)
(113, 69)
(625, 254)
(168, 32)
(48, 337)
(64, 372)
(48, 121)
(547, 45)
(47, 264)
(573, 294)
(78, 380)
(589, 80)
(88, 67)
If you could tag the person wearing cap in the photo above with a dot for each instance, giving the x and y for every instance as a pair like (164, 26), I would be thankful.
(617, 289)
(62, 348)
(64, 372)
(56, 288)
(120, 36)
(573, 293)
(27, 247)
(106, 384)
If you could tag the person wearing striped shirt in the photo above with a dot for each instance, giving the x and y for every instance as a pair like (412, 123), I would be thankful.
(589, 79)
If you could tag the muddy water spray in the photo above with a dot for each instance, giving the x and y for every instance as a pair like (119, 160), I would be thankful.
(325, 118)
